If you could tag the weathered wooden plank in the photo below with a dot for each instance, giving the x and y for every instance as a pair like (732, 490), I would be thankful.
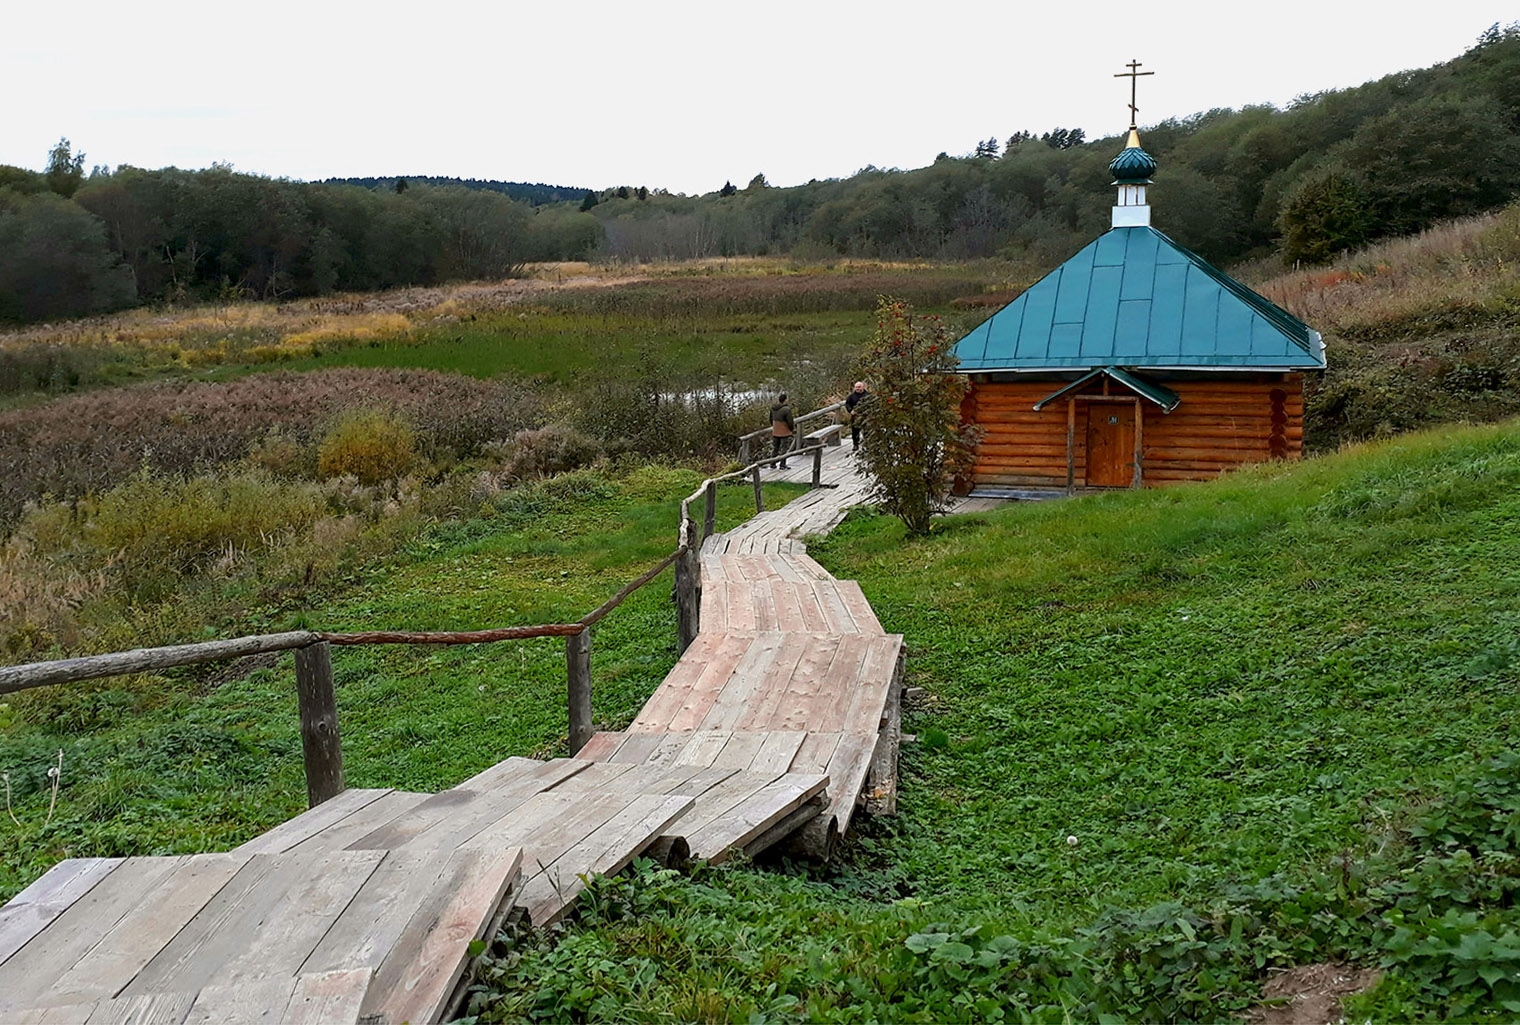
(816, 696)
(777, 751)
(482, 814)
(834, 609)
(715, 677)
(604, 851)
(815, 753)
(361, 935)
(418, 820)
(594, 777)
(668, 751)
(66, 881)
(788, 608)
(699, 782)
(753, 815)
(29, 974)
(31, 910)
(310, 822)
(728, 704)
(766, 615)
(126, 947)
(505, 771)
(740, 751)
(637, 748)
(148, 1009)
(703, 747)
(673, 692)
(63, 1014)
(601, 746)
(742, 614)
(860, 609)
(847, 774)
(418, 976)
(224, 926)
(367, 819)
(868, 694)
(288, 928)
(254, 1002)
(881, 781)
(813, 618)
(321, 998)
(767, 696)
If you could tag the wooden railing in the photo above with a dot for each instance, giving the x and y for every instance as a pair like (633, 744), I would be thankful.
(746, 440)
(321, 743)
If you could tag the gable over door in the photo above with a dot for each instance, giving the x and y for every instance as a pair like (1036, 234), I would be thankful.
(1110, 445)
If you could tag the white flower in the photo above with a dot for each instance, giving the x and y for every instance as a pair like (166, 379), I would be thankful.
(1071, 841)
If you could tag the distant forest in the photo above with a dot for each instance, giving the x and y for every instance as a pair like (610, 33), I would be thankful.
(532, 193)
(1332, 171)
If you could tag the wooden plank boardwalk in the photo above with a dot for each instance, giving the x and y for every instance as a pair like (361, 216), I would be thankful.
(777, 723)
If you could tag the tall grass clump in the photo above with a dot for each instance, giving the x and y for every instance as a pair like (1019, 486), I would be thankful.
(156, 528)
(370, 444)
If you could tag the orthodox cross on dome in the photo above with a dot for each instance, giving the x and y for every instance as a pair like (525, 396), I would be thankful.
(1134, 74)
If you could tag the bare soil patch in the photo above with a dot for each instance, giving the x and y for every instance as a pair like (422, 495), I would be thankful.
(1309, 994)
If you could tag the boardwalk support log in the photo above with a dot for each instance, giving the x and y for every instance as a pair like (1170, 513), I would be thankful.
(578, 676)
(320, 743)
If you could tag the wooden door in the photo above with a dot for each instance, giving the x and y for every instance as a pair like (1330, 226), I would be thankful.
(1110, 445)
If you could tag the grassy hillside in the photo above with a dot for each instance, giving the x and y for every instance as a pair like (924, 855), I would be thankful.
(1420, 330)
(1172, 739)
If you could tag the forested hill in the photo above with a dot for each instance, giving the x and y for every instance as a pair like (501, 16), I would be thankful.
(532, 193)
(1333, 171)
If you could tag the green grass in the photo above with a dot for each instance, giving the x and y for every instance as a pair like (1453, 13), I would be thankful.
(196, 761)
(1207, 687)
(558, 346)
(1274, 711)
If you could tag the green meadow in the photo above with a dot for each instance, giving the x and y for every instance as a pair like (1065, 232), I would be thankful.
(1170, 739)
(559, 347)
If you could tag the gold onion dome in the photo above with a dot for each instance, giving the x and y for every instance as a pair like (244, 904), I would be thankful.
(1133, 166)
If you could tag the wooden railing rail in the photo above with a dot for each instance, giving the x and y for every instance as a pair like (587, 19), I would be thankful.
(746, 439)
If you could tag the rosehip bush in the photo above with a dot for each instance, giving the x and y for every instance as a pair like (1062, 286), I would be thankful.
(912, 440)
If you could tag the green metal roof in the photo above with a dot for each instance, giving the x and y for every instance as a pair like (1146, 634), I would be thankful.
(1134, 298)
(1163, 397)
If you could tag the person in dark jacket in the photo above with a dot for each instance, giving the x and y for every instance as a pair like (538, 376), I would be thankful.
(854, 406)
(783, 427)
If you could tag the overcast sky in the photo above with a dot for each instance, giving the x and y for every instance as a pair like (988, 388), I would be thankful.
(678, 95)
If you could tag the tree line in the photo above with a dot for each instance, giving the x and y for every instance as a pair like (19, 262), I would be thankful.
(73, 244)
(1332, 171)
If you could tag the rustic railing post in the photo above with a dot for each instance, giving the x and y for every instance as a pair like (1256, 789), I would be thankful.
(320, 743)
(759, 498)
(744, 450)
(578, 679)
(688, 584)
(710, 515)
(818, 465)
